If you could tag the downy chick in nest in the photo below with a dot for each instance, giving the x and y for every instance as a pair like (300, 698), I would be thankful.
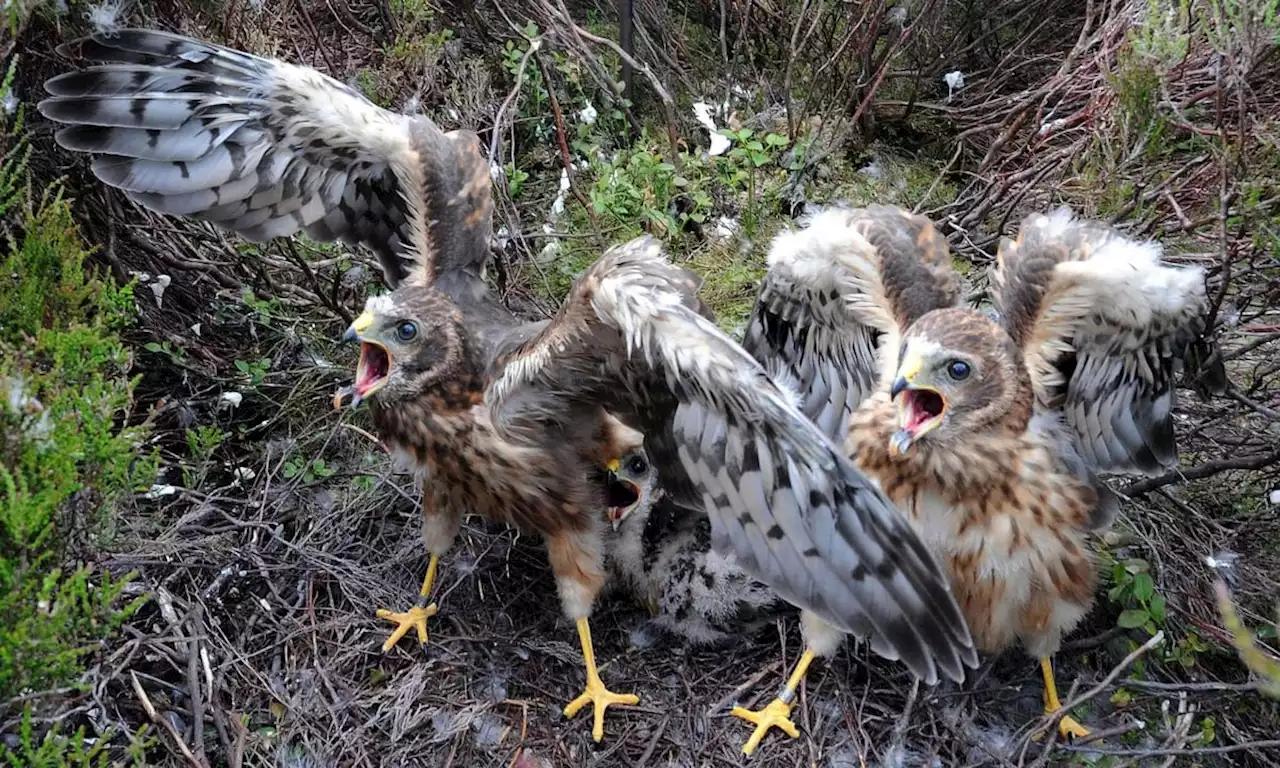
(661, 553)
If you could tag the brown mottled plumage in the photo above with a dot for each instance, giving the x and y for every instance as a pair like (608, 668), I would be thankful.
(269, 149)
(988, 432)
(728, 441)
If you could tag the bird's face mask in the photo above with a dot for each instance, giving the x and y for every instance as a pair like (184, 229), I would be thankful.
(627, 487)
(384, 343)
(927, 379)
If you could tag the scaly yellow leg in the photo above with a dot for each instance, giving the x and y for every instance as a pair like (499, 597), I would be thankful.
(595, 694)
(1067, 726)
(778, 713)
(416, 617)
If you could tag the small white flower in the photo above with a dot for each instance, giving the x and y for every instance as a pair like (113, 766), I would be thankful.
(9, 103)
(588, 114)
(230, 399)
(1274, 497)
(495, 171)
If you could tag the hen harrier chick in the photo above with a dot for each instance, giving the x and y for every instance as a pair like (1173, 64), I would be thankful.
(987, 432)
(728, 441)
(661, 552)
(269, 149)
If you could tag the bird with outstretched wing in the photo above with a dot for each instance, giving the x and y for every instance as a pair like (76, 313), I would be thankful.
(989, 430)
(269, 149)
(729, 442)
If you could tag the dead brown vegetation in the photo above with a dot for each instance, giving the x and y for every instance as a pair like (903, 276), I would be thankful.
(260, 646)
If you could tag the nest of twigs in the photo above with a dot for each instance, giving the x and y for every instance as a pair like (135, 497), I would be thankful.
(261, 646)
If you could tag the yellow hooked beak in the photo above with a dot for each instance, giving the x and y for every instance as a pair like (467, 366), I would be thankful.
(358, 326)
(921, 407)
(621, 490)
(374, 366)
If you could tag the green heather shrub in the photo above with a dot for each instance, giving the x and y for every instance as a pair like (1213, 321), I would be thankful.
(64, 449)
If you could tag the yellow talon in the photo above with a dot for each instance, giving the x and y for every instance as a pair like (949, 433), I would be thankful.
(1070, 729)
(595, 694)
(415, 618)
(777, 714)
(1067, 726)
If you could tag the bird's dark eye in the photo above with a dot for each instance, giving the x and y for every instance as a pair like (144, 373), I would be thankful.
(637, 465)
(406, 330)
(958, 370)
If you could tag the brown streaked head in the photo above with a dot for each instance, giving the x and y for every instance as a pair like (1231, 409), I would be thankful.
(409, 340)
(958, 374)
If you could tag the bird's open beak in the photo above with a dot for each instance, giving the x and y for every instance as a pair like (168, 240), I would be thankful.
(921, 408)
(623, 496)
(374, 368)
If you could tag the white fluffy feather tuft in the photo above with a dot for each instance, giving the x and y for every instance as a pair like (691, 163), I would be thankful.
(1139, 287)
(831, 253)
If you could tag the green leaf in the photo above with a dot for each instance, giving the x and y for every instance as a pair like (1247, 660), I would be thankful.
(1157, 608)
(745, 134)
(1121, 698)
(759, 159)
(1143, 586)
(776, 140)
(1132, 618)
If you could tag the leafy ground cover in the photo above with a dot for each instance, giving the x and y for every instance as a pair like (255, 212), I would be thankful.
(193, 544)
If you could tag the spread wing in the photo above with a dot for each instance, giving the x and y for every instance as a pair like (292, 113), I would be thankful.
(836, 298)
(268, 149)
(1104, 325)
(724, 437)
